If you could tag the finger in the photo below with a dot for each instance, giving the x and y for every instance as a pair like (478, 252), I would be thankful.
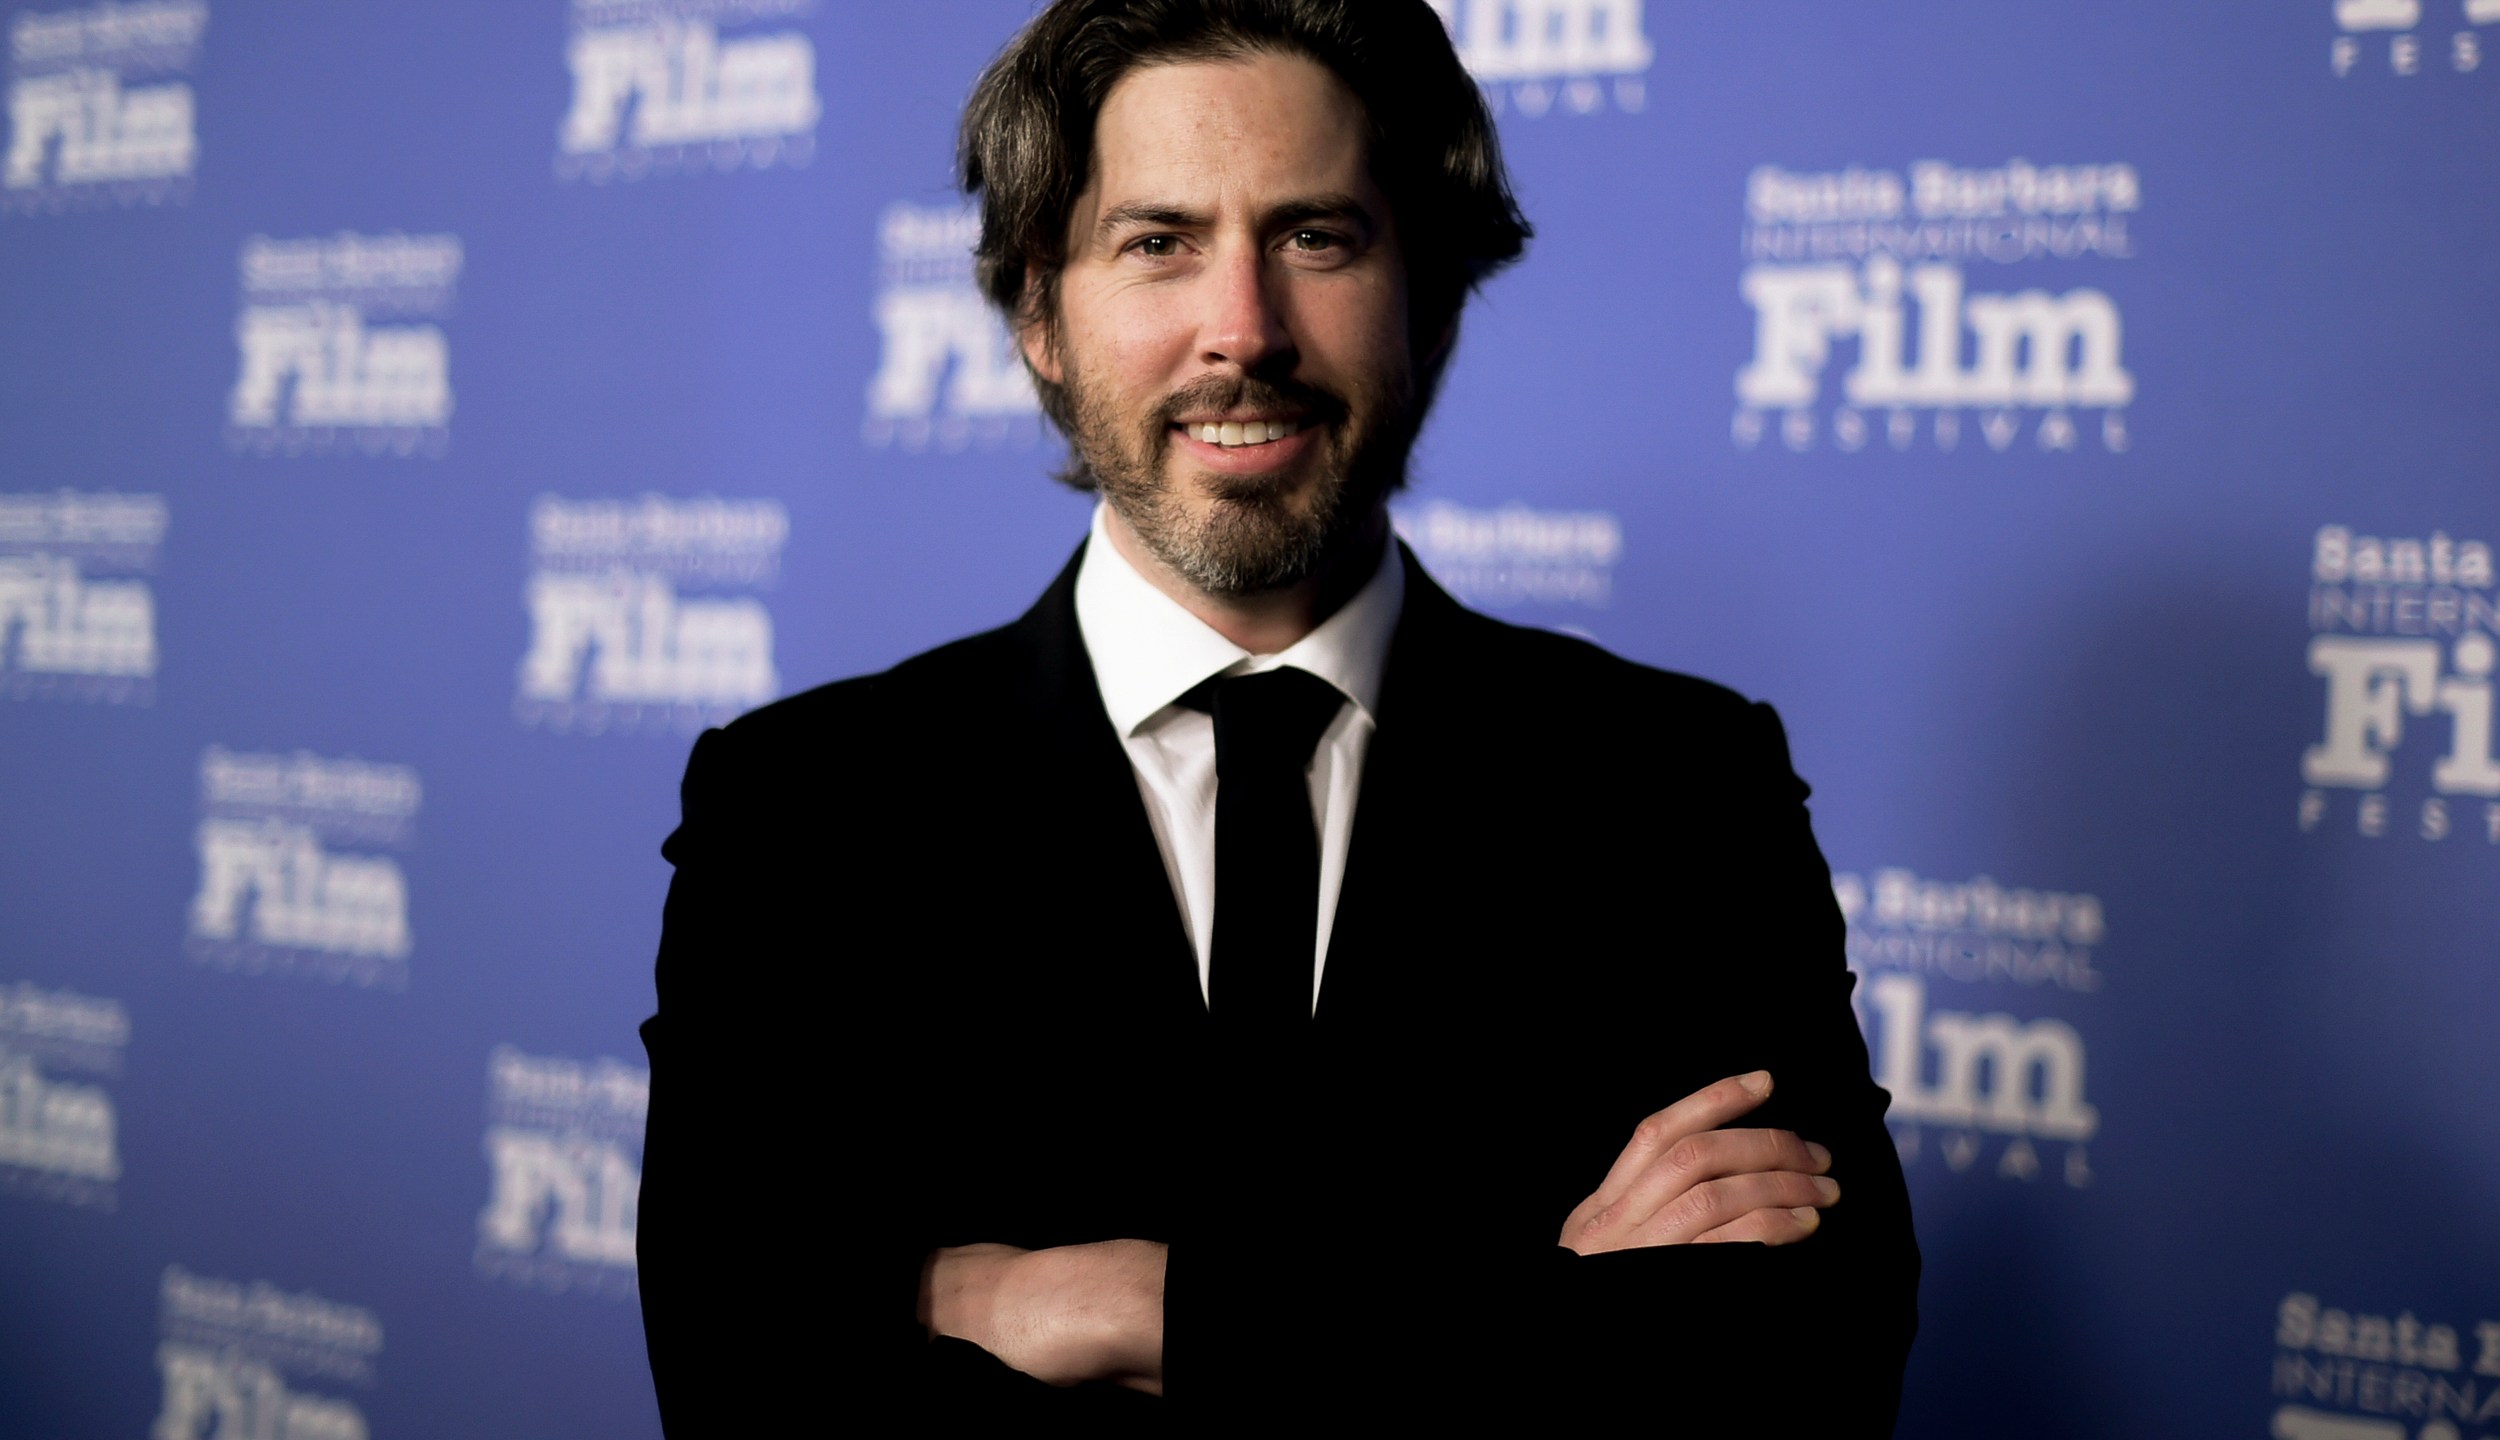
(1708, 1108)
(1766, 1227)
(1708, 1206)
(1712, 1155)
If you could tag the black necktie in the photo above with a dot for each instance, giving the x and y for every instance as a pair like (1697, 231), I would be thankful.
(1243, 1243)
(1266, 851)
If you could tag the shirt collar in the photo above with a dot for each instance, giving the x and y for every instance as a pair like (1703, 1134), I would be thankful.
(1148, 651)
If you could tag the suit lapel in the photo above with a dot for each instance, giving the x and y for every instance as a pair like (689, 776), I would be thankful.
(1384, 926)
(1093, 814)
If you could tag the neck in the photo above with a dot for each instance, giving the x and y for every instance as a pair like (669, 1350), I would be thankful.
(1273, 620)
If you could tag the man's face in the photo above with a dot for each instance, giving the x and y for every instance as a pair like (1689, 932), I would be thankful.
(1233, 275)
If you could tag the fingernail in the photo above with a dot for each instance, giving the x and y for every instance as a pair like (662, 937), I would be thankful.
(1807, 1216)
(1827, 1187)
(1758, 1084)
(1821, 1157)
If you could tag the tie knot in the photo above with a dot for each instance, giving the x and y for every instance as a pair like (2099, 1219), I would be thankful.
(1270, 720)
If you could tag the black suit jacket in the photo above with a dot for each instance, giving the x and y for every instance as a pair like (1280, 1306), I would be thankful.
(923, 982)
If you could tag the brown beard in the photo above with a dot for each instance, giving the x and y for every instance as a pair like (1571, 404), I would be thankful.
(1256, 540)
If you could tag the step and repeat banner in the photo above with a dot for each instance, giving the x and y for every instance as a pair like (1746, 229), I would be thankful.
(419, 422)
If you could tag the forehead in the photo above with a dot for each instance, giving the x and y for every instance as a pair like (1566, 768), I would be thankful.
(1211, 131)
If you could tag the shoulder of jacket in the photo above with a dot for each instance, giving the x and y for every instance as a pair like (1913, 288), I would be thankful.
(898, 706)
(1546, 666)
(1632, 724)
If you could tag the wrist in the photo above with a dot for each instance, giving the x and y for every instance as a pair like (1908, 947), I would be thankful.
(959, 1291)
(1063, 1315)
(1098, 1308)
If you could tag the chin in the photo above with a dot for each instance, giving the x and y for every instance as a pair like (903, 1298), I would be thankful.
(1263, 494)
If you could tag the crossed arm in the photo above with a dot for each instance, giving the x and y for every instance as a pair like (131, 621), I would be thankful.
(1078, 1313)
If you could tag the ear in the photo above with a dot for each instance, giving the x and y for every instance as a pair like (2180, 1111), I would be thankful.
(1040, 348)
(1040, 353)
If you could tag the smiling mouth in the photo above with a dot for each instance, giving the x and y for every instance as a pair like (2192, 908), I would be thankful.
(1239, 434)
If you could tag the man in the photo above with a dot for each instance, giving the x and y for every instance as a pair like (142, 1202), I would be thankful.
(1238, 978)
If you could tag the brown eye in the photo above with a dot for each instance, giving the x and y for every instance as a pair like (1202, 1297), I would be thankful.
(1158, 246)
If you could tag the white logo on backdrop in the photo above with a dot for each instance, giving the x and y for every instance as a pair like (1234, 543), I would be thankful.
(2403, 638)
(564, 1152)
(57, 1134)
(1514, 554)
(2407, 36)
(659, 88)
(289, 878)
(645, 613)
(2000, 1081)
(100, 109)
(1541, 57)
(253, 1361)
(77, 613)
(319, 371)
(2354, 1375)
(947, 371)
(1878, 263)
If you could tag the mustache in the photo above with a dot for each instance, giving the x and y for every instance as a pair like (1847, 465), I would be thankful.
(1250, 392)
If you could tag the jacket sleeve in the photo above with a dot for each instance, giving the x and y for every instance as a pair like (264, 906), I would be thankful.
(766, 1251)
(781, 1229)
(1806, 1338)
(736, 1197)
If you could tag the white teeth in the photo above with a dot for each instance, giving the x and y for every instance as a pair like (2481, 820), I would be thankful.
(1233, 433)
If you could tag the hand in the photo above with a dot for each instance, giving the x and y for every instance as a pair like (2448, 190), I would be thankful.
(1064, 1315)
(1683, 1180)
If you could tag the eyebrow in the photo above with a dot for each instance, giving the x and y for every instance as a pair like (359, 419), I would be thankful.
(1342, 208)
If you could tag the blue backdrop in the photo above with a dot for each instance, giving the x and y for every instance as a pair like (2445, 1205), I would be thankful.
(418, 421)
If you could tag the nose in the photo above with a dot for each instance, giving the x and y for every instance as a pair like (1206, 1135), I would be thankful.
(1244, 324)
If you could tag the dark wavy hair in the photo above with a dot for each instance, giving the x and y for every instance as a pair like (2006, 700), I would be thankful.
(1028, 141)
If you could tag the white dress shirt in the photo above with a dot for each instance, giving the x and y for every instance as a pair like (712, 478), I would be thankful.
(1148, 652)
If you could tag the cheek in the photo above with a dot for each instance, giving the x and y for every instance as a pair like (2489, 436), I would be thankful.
(1130, 345)
(1360, 329)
